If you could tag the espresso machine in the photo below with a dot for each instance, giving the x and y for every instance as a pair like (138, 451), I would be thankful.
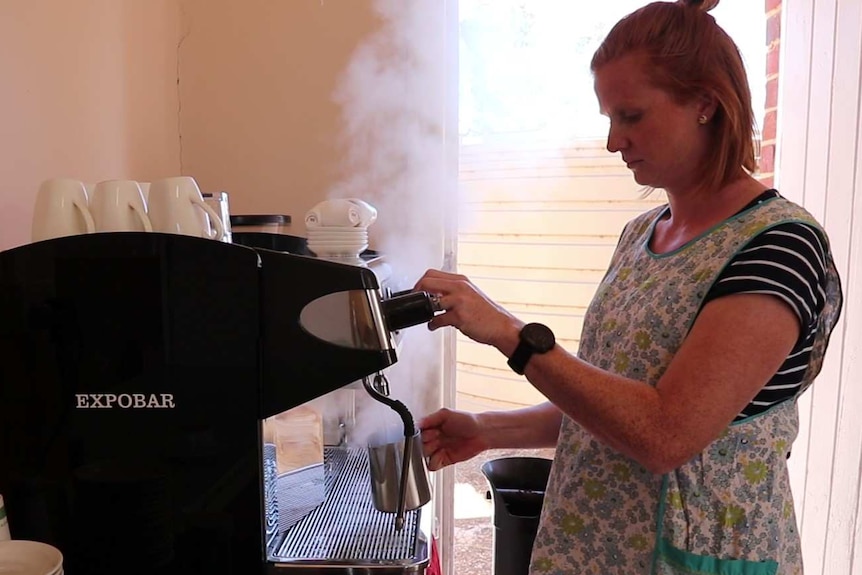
(136, 371)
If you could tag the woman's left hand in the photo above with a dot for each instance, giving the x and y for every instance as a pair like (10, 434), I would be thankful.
(466, 308)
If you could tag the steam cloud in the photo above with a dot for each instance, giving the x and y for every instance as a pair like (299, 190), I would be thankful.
(392, 97)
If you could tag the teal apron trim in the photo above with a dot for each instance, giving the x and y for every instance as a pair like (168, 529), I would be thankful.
(659, 527)
(702, 565)
(692, 564)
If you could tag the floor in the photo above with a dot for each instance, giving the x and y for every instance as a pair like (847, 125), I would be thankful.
(474, 527)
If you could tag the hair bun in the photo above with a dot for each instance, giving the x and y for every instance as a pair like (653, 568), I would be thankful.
(705, 5)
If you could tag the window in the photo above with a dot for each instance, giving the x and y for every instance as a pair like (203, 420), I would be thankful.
(525, 71)
(542, 200)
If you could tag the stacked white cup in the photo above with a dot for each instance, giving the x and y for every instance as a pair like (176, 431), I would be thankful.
(61, 210)
(338, 228)
(21, 557)
(176, 206)
(119, 206)
(66, 207)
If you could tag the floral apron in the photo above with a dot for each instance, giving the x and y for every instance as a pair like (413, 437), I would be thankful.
(728, 511)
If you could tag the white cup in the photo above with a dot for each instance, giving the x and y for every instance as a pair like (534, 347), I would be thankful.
(176, 206)
(367, 212)
(61, 210)
(30, 558)
(145, 190)
(334, 213)
(118, 206)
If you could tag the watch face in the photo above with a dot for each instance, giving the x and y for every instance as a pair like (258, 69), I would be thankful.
(538, 336)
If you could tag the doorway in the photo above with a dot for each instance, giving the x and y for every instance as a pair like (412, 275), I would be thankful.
(542, 201)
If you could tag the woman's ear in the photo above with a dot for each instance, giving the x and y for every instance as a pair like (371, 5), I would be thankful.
(706, 106)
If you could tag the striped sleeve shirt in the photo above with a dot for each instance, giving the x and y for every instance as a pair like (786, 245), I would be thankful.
(786, 261)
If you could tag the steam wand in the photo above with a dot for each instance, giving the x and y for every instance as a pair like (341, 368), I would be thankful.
(380, 382)
(402, 487)
(381, 386)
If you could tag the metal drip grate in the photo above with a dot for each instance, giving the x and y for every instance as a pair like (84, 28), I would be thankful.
(347, 527)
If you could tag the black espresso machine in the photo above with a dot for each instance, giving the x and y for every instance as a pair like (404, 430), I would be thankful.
(135, 372)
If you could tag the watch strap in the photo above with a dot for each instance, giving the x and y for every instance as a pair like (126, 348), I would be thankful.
(520, 357)
(532, 339)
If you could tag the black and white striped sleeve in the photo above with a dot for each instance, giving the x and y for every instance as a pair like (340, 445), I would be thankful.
(786, 261)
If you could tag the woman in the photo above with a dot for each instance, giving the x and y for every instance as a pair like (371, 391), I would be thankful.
(674, 422)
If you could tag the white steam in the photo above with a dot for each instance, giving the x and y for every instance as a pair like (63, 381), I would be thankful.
(393, 101)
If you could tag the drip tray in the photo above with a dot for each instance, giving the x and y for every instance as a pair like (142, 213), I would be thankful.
(346, 534)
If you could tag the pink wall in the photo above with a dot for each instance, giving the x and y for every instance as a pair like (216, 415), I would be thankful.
(280, 103)
(287, 103)
(257, 82)
(88, 91)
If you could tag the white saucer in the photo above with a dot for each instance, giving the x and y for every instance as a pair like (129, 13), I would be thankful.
(337, 230)
(19, 557)
(345, 243)
(349, 250)
(327, 234)
(337, 239)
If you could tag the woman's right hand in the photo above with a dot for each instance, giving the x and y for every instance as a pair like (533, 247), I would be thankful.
(451, 437)
(470, 311)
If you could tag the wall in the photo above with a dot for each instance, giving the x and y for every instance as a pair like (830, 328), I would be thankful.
(766, 164)
(819, 164)
(88, 91)
(272, 106)
(257, 83)
(288, 103)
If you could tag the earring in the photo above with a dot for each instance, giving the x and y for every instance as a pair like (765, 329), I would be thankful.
(702, 119)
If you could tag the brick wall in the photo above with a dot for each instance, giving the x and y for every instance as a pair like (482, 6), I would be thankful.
(770, 118)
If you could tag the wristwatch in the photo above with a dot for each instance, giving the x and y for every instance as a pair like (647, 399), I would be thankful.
(533, 338)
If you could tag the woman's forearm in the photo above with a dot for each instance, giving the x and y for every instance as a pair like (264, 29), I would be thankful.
(530, 427)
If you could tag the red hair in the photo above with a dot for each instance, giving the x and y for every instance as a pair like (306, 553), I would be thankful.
(690, 57)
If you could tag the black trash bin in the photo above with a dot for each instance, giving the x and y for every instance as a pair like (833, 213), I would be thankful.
(518, 490)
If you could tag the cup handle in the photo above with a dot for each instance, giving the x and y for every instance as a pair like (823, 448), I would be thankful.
(219, 235)
(88, 218)
(148, 226)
